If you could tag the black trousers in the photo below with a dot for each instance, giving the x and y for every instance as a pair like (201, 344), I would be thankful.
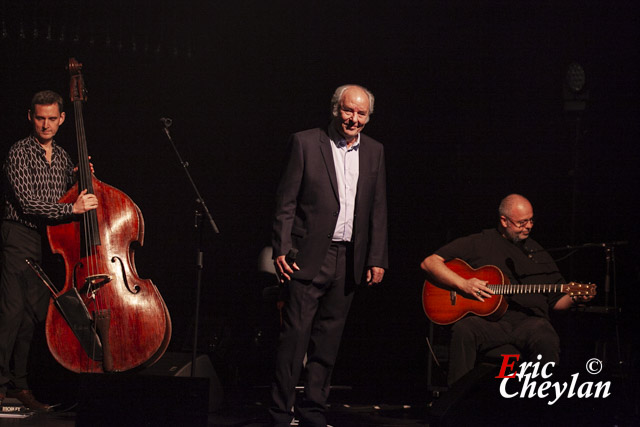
(530, 334)
(314, 316)
(23, 302)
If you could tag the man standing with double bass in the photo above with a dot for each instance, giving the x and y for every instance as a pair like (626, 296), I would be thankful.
(38, 172)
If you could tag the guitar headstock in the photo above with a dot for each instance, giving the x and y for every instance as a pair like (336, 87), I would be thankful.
(580, 289)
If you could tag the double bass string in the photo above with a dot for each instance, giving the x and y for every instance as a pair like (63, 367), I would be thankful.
(89, 223)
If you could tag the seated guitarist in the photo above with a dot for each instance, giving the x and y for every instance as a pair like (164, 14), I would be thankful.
(526, 323)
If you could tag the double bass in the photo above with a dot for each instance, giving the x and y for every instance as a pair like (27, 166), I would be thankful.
(130, 319)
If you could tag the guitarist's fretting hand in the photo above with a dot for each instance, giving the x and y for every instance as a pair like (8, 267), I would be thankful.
(471, 288)
(582, 299)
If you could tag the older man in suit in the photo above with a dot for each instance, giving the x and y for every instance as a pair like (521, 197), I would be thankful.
(331, 219)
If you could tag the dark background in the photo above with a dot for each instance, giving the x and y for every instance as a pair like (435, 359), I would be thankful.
(470, 107)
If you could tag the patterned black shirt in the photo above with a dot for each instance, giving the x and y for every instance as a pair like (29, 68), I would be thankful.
(33, 186)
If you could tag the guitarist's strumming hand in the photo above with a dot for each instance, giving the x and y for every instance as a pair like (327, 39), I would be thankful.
(471, 288)
(474, 288)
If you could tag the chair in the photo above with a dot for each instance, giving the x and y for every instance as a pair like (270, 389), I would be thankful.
(449, 408)
(265, 262)
(439, 351)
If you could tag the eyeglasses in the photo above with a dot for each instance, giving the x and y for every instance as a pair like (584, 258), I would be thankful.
(520, 224)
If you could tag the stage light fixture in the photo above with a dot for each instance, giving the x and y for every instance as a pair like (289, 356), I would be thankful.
(575, 77)
(574, 90)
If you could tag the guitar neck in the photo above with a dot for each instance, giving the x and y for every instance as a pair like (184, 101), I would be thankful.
(527, 288)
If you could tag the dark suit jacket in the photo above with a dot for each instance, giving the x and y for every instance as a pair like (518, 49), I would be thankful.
(307, 205)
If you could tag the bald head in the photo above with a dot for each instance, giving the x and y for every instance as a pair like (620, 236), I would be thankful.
(512, 203)
(516, 217)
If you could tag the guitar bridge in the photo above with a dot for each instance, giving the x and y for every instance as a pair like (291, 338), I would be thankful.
(453, 296)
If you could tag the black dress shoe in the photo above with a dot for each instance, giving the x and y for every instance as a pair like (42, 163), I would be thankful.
(28, 400)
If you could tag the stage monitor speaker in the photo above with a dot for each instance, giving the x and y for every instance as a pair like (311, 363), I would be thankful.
(179, 365)
(162, 394)
(128, 399)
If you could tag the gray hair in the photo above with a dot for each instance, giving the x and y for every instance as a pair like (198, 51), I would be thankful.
(337, 97)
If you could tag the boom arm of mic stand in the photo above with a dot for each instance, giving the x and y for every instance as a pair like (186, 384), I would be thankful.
(583, 246)
(199, 261)
(185, 167)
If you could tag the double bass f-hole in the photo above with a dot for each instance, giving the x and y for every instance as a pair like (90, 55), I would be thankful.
(94, 282)
(136, 288)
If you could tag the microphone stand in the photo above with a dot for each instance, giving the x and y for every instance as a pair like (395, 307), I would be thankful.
(202, 208)
(609, 266)
(610, 271)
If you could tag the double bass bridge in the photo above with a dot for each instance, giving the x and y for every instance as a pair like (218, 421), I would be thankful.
(94, 282)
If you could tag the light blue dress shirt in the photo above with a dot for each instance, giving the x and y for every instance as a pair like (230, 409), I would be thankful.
(347, 163)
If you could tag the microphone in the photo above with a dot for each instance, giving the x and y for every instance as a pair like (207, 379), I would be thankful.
(291, 256)
(166, 121)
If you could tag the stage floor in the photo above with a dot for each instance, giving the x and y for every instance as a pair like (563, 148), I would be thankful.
(247, 406)
(253, 414)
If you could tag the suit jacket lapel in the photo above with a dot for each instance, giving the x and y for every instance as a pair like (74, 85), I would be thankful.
(365, 165)
(327, 155)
